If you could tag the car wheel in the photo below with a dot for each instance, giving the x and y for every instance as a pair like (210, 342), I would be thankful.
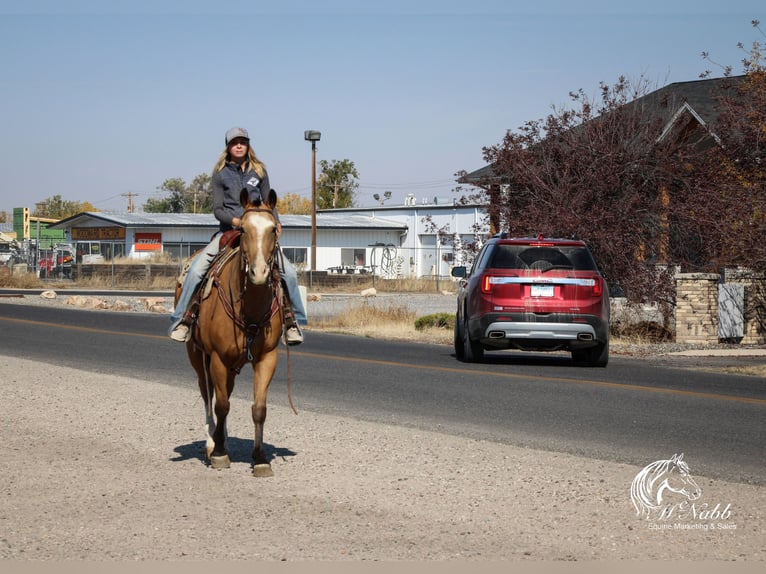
(458, 340)
(597, 356)
(472, 350)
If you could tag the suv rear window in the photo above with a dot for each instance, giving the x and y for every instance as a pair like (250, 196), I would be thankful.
(513, 256)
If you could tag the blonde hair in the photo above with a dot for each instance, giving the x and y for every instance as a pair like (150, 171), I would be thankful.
(255, 164)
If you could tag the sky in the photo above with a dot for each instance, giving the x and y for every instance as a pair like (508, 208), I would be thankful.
(102, 102)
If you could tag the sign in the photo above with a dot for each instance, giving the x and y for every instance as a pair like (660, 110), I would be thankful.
(98, 233)
(148, 241)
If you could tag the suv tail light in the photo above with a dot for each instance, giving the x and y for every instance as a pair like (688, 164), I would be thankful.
(598, 288)
(486, 284)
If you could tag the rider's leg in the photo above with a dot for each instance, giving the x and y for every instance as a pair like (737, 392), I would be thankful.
(290, 277)
(295, 312)
(179, 330)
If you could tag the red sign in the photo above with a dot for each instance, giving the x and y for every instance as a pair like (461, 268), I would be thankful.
(148, 241)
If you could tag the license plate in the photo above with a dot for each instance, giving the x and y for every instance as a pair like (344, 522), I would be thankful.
(542, 291)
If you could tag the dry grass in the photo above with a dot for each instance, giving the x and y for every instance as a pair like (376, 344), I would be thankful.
(393, 322)
(750, 370)
(19, 280)
(391, 286)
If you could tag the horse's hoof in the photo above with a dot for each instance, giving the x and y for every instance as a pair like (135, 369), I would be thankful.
(221, 461)
(262, 470)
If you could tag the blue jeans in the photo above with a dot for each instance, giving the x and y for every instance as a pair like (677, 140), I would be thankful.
(290, 277)
(201, 264)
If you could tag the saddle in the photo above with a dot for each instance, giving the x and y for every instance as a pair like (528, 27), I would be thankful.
(228, 248)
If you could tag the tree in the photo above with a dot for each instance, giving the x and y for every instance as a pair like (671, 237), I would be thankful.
(337, 184)
(56, 207)
(592, 171)
(201, 194)
(180, 198)
(646, 200)
(730, 178)
(295, 204)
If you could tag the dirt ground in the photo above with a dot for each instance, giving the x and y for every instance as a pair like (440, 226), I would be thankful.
(105, 468)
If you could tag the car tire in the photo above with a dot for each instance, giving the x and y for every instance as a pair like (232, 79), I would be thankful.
(458, 339)
(597, 356)
(473, 352)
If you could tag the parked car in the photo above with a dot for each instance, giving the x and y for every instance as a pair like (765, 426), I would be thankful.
(533, 294)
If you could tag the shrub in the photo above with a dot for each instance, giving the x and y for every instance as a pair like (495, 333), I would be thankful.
(435, 321)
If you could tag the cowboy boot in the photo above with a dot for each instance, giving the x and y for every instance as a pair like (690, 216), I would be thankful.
(293, 333)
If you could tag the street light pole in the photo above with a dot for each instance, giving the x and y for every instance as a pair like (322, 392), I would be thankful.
(313, 137)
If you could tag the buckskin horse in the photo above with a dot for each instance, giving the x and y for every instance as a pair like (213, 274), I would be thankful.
(238, 322)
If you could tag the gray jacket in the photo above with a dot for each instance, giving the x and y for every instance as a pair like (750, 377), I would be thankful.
(227, 185)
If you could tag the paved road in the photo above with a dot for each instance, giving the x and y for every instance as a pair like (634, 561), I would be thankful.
(633, 411)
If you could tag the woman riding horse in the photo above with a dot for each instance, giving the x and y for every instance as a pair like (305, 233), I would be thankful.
(240, 322)
(238, 168)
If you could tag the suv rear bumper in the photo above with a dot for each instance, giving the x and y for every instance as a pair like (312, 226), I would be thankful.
(555, 332)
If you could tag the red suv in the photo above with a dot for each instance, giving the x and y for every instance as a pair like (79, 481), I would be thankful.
(533, 294)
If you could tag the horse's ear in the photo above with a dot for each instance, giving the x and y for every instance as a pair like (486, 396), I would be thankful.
(244, 198)
(272, 201)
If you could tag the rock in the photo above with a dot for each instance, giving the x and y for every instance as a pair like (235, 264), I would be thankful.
(49, 294)
(121, 306)
(151, 302)
(87, 302)
(371, 292)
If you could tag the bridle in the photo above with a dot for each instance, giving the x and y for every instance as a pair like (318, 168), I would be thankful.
(250, 329)
(243, 255)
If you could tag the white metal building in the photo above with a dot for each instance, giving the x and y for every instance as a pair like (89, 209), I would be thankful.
(411, 240)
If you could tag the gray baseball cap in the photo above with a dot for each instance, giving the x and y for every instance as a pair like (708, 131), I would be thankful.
(236, 133)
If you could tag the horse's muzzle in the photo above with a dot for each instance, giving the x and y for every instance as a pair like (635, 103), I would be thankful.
(258, 274)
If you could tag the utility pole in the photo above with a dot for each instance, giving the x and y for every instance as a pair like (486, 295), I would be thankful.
(335, 187)
(130, 196)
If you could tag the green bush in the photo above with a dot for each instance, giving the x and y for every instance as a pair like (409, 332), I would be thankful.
(435, 321)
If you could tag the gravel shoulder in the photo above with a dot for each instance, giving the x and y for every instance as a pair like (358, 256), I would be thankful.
(99, 467)
(107, 468)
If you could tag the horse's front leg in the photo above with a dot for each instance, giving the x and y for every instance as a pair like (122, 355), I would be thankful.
(223, 382)
(264, 372)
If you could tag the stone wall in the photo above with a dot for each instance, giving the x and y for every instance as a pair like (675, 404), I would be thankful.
(697, 308)
(696, 317)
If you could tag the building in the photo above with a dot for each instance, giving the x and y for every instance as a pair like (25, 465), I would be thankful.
(411, 240)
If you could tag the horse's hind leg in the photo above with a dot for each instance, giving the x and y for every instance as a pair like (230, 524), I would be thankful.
(200, 362)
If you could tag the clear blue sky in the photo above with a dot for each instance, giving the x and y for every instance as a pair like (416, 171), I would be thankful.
(102, 99)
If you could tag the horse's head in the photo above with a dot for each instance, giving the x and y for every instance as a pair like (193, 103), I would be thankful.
(678, 479)
(656, 479)
(258, 242)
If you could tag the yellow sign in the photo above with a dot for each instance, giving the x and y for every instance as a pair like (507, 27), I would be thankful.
(98, 233)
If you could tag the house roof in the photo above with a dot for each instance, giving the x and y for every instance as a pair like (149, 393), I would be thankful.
(697, 98)
(324, 220)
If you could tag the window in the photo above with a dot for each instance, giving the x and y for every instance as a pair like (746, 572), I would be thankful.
(353, 257)
(296, 255)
